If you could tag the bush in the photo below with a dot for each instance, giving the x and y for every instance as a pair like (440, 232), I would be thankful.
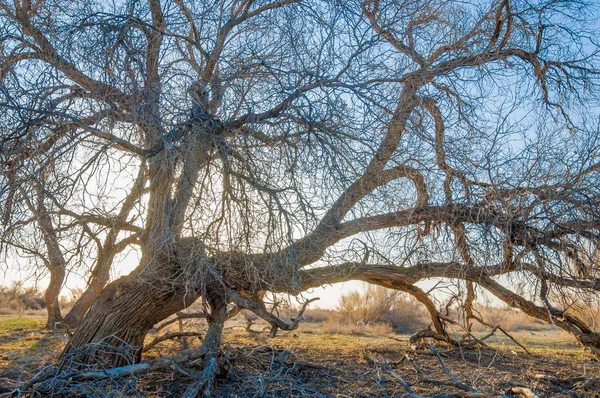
(378, 305)
(17, 298)
(407, 315)
(318, 315)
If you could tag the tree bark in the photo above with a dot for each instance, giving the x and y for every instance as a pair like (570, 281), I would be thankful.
(122, 315)
(216, 320)
(56, 260)
(57, 276)
(76, 314)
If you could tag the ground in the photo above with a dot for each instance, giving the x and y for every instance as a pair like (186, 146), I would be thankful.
(312, 362)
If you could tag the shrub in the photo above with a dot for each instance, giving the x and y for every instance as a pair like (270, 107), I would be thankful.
(318, 315)
(17, 298)
(378, 305)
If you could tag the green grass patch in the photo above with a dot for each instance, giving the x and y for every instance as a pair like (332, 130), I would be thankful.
(9, 323)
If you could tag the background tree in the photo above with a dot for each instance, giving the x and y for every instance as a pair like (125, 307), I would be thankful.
(248, 147)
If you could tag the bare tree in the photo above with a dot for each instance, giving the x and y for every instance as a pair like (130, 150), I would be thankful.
(371, 305)
(248, 147)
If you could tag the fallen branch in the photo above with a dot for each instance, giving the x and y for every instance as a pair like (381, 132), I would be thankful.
(257, 306)
(143, 367)
(180, 316)
(396, 376)
(498, 327)
(522, 391)
(557, 380)
(572, 382)
(457, 383)
(464, 342)
(169, 336)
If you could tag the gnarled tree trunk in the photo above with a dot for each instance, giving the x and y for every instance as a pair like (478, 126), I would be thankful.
(124, 312)
(216, 320)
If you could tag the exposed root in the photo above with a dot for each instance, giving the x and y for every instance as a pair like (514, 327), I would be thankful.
(205, 381)
(123, 380)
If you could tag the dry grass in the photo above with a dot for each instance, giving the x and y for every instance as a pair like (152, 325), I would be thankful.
(338, 360)
(25, 347)
(333, 362)
(333, 327)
